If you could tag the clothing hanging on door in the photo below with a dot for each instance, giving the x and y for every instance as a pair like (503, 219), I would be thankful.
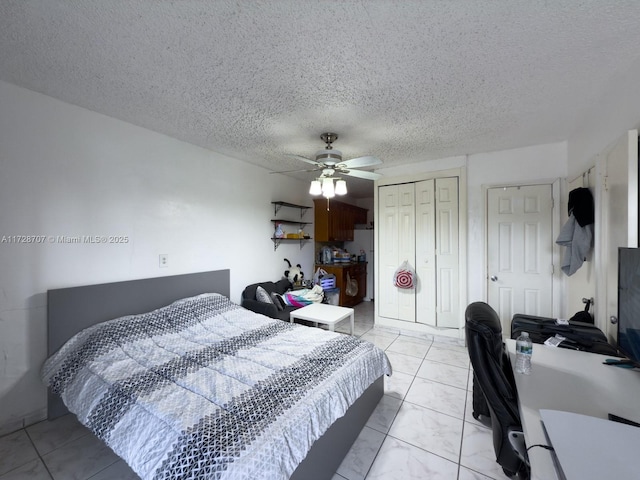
(581, 206)
(577, 233)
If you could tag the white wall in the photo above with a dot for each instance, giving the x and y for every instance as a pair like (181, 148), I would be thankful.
(426, 166)
(66, 171)
(611, 116)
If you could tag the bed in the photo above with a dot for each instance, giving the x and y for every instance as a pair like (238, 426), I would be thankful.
(148, 355)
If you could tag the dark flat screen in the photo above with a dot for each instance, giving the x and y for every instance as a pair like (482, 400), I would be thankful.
(629, 303)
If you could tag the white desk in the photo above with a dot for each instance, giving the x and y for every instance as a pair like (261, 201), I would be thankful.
(323, 313)
(578, 382)
(591, 448)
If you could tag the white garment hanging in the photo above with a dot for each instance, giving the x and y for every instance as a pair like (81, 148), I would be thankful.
(578, 241)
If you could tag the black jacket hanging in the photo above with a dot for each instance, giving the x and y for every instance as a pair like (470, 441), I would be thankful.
(581, 205)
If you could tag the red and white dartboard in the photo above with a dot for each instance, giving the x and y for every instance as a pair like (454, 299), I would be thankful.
(404, 279)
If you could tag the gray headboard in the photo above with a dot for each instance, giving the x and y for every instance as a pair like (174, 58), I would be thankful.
(70, 310)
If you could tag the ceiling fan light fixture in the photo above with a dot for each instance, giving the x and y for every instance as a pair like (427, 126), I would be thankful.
(328, 189)
(341, 187)
(316, 188)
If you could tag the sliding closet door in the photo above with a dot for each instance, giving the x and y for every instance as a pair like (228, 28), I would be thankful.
(426, 252)
(407, 249)
(419, 223)
(396, 243)
(437, 252)
(387, 230)
(447, 252)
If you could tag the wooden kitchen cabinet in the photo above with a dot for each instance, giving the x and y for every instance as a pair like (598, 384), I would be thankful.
(336, 224)
(357, 271)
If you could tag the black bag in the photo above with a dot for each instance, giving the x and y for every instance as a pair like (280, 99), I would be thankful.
(583, 315)
(579, 335)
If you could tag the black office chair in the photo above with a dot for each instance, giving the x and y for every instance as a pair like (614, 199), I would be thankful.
(492, 370)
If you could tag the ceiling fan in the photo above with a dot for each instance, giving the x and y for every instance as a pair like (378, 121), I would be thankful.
(330, 162)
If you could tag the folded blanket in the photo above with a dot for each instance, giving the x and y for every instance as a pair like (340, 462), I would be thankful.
(304, 297)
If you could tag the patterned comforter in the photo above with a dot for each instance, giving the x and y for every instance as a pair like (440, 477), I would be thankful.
(205, 389)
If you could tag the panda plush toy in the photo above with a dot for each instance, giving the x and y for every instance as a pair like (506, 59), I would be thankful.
(294, 274)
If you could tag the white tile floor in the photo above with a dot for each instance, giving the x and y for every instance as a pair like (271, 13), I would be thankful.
(422, 428)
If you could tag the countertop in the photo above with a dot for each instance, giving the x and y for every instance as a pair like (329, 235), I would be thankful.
(350, 264)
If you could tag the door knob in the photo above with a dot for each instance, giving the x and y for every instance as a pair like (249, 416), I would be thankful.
(494, 278)
(613, 319)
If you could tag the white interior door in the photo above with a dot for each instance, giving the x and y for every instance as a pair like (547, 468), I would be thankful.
(520, 251)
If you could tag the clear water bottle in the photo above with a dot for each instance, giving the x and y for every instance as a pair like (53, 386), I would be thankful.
(524, 349)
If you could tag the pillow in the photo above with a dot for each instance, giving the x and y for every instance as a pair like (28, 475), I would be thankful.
(278, 301)
(262, 295)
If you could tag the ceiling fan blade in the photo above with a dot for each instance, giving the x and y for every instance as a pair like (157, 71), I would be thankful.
(300, 170)
(360, 162)
(361, 174)
(304, 159)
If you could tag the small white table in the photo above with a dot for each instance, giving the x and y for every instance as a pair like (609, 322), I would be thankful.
(323, 313)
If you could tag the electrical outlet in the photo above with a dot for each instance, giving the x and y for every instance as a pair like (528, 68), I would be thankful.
(164, 260)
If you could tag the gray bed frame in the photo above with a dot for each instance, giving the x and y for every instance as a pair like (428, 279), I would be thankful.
(70, 310)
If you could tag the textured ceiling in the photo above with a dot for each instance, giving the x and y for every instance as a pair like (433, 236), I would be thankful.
(406, 81)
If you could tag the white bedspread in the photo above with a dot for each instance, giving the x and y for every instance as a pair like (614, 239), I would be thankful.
(205, 389)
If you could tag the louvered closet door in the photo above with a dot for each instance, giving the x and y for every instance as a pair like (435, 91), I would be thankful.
(426, 252)
(447, 252)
